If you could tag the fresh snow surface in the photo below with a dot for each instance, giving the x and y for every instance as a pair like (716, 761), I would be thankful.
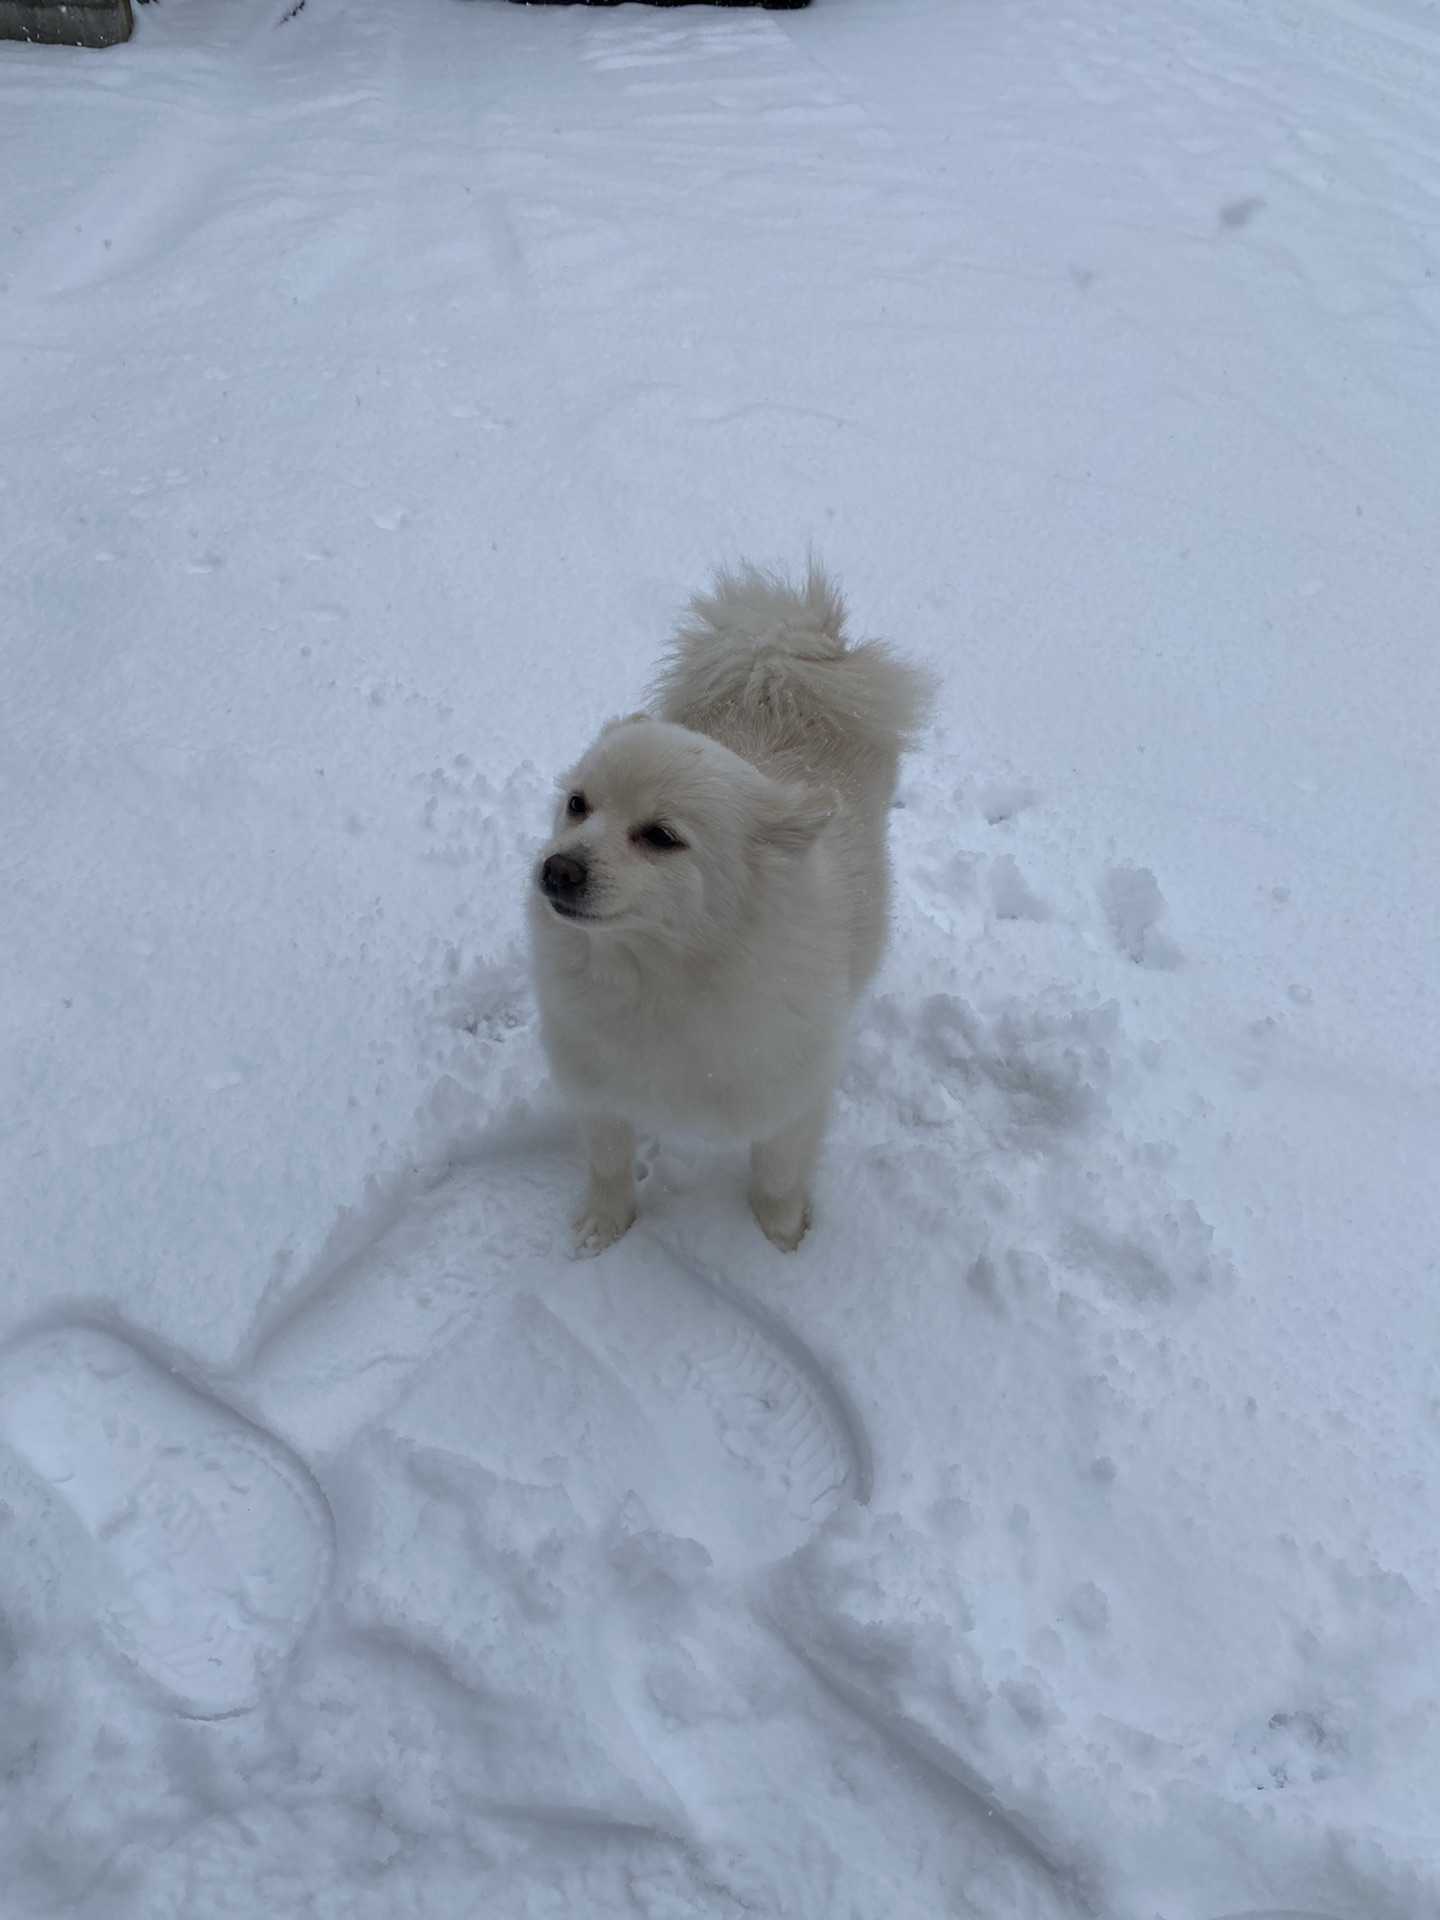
(1057, 1533)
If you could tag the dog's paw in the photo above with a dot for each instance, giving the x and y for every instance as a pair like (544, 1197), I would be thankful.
(783, 1221)
(603, 1219)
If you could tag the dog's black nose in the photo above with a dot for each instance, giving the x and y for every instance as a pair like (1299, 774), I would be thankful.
(563, 876)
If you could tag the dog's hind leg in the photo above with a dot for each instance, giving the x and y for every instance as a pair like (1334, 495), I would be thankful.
(780, 1170)
(608, 1209)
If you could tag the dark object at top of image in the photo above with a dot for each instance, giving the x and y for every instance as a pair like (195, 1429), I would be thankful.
(67, 23)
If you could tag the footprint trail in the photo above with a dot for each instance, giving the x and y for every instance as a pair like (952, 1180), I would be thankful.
(215, 1540)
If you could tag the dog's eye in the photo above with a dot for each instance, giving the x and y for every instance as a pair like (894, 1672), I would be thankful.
(658, 837)
(577, 807)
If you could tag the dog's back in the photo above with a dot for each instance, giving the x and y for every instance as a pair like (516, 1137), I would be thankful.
(765, 666)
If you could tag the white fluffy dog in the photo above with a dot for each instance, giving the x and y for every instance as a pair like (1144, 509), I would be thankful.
(717, 893)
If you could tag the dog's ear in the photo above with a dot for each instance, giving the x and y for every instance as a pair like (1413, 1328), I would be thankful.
(792, 817)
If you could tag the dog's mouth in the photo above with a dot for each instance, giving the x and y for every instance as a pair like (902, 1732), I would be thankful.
(576, 914)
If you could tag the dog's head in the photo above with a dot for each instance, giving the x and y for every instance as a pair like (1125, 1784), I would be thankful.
(664, 833)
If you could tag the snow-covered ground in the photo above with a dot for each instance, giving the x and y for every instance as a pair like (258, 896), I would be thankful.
(1058, 1532)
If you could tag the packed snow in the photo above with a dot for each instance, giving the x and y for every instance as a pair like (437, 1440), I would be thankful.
(1057, 1532)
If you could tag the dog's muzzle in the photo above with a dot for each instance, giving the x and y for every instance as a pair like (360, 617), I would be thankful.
(564, 880)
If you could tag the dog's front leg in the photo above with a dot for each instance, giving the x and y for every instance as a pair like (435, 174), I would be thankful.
(780, 1171)
(608, 1209)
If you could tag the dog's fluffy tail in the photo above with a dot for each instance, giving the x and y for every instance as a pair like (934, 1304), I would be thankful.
(764, 664)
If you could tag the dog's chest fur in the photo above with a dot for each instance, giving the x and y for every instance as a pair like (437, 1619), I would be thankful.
(717, 1055)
